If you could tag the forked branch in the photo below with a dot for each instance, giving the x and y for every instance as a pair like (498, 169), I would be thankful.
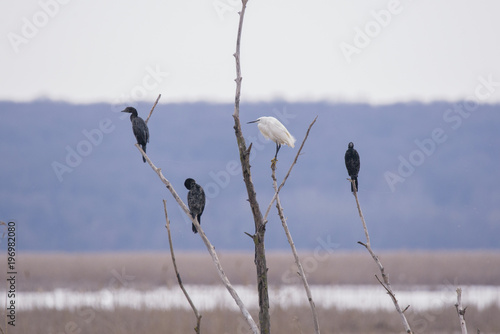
(385, 278)
(197, 329)
(209, 246)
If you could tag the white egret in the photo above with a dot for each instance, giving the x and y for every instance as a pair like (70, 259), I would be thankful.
(272, 129)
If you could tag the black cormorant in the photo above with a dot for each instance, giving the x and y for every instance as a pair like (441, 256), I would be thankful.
(141, 131)
(352, 164)
(196, 200)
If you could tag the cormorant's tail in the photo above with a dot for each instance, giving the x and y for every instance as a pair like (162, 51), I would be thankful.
(355, 178)
(144, 149)
(194, 227)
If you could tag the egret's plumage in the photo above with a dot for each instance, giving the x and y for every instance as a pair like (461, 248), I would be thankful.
(141, 131)
(352, 164)
(272, 129)
(196, 200)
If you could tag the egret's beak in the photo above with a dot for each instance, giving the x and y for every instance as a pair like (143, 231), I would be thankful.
(253, 121)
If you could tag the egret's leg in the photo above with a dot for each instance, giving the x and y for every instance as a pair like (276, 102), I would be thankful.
(273, 162)
(278, 146)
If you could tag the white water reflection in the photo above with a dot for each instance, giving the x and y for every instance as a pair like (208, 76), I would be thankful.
(359, 297)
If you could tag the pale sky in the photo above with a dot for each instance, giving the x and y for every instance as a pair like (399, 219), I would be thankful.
(347, 51)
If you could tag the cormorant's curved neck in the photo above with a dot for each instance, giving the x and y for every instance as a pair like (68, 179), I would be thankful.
(133, 115)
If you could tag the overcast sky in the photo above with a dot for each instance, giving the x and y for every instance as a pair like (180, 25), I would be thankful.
(371, 51)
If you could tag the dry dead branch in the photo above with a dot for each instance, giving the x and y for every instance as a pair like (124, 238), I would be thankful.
(209, 246)
(301, 272)
(152, 109)
(385, 277)
(197, 329)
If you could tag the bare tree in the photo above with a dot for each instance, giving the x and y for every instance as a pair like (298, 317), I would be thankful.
(259, 221)
(385, 277)
(260, 227)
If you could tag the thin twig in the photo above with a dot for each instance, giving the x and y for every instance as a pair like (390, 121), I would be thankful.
(386, 284)
(289, 170)
(251, 236)
(210, 247)
(361, 215)
(154, 105)
(197, 329)
(388, 288)
(237, 58)
(302, 274)
(461, 311)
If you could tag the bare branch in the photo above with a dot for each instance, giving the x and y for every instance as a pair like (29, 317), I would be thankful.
(237, 59)
(196, 313)
(289, 170)
(386, 284)
(301, 272)
(251, 236)
(209, 246)
(154, 105)
(166, 182)
(461, 311)
(361, 215)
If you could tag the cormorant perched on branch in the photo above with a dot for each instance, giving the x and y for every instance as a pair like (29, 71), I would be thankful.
(196, 200)
(141, 131)
(352, 164)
